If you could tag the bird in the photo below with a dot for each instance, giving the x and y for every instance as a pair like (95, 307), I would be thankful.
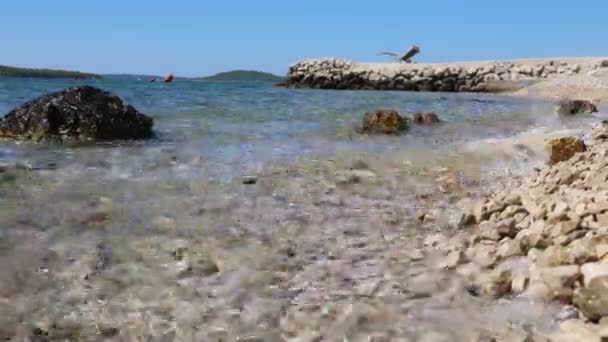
(406, 58)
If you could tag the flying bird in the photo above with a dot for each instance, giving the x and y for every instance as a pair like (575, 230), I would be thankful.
(406, 58)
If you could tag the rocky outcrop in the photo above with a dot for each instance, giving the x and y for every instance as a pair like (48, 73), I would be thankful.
(76, 114)
(332, 73)
(383, 122)
(557, 222)
(576, 107)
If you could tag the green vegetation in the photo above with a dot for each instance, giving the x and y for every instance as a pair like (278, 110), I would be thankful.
(244, 75)
(6, 71)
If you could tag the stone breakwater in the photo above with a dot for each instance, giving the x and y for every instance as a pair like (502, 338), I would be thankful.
(332, 73)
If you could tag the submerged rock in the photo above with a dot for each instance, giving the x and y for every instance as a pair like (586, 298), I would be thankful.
(76, 114)
(384, 122)
(576, 106)
(426, 118)
(562, 149)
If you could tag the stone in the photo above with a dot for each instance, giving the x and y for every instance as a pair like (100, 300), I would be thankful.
(495, 284)
(77, 114)
(555, 256)
(250, 180)
(520, 282)
(562, 149)
(426, 118)
(508, 248)
(592, 271)
(562, 228)
(484, 255)
(592, 299)
(488, 231)
(384, 122)
(558, 281)
(576, 106)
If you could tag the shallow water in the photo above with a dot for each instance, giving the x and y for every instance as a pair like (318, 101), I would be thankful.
(161, 237)
(235, 127)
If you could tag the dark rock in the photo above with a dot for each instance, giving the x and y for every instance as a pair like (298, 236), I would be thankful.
(604, 63)
(576, 106)
(384, 122)
(76, 114)
(250, 180)
(426, 118)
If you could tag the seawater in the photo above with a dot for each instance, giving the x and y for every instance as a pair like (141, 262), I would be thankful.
(237, 126)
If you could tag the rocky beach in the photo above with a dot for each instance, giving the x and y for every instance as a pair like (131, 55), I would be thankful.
(383, 216)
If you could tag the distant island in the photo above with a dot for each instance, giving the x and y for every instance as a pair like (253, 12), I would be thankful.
(244, 75)
(6, 71)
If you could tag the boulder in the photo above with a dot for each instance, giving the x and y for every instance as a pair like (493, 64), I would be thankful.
(576, 106)
(384, 122)
(562, 149)
(426, 118)
(76, 114)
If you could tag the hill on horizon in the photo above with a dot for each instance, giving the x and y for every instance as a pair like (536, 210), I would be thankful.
(244, 75)
(7, 71)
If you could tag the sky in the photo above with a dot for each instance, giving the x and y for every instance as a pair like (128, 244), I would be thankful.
(198, 38)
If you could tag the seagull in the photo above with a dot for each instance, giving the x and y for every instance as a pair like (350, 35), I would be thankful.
(406, 58)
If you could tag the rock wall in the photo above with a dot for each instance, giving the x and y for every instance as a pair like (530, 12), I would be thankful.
(332, 73)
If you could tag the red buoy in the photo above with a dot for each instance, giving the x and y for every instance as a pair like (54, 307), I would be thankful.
(169, 78)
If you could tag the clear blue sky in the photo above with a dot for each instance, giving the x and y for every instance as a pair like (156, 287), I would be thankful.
(193, 38)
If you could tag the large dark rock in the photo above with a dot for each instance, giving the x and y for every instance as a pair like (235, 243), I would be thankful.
(384, 122)
(576, 106)
(76, 114)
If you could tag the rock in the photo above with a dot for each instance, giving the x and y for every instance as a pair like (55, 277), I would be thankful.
(76, 114)
(384, 122)
(555, 256)
(592, 271)
(484, 255)
(508, 248)
(559, 280)
(576, 106)
(495, 284)
(562, 228)
(520, 282)
(562, 149)
(593, 299)
(426, 118)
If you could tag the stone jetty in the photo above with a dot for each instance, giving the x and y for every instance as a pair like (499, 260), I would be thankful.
(489, 76)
